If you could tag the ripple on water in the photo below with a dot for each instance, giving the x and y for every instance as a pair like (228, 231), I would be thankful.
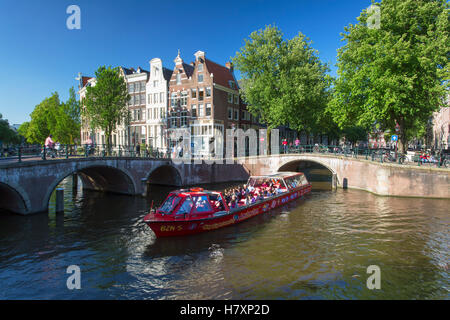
(316, 248)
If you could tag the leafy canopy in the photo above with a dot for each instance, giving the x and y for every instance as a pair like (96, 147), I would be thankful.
(396, 74)
(106, 103)
(283, 81)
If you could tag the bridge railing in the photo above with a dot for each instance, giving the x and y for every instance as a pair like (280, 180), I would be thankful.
(370, 154)
(65, 151)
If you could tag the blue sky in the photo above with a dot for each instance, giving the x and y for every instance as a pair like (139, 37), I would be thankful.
(39, 55)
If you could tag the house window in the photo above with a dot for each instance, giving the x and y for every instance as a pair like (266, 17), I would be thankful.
(131, 88)
(143, 86)
(155, 83)
(230, 98)
(178, 78)
(173, 119)
(208, 91)
(149, 98)
(137, 100)
(230, 113)
(194, 93)
(200, 67)
(200, 78)
(183, 118)
(161, 97)
(201, 111)
(236, 114)
(142, 98)
(155, 98)
(208, 109)
(184, 97)
(236, 99)
(173, 100)
(231, 83)
(200, 94)
(194, 110)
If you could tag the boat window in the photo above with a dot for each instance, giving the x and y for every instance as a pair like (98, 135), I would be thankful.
(186, 206)
(170, 204)
(303, 180)
(294, 182)
(202, 203)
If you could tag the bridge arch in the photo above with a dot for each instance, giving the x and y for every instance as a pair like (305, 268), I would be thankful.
(98, 177)
(166, 175)
(13, 198)
(307, 165)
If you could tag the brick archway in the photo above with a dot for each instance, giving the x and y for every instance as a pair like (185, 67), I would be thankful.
(97, 177)
(165, 175)
(14, 199)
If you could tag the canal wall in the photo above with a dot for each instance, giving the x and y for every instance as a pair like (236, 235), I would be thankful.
(383, 179)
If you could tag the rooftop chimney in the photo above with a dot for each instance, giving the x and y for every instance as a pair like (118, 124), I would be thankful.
(229, 66)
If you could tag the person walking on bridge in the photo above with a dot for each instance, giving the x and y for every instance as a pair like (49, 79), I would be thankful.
(49, 143)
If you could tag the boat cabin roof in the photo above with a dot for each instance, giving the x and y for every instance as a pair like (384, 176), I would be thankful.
(279, 175)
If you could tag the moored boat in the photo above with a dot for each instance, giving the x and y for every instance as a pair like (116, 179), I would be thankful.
(195, 210)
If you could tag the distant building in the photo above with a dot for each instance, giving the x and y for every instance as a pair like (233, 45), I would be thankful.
(136, 131)
(441, 126)
(204, 99)
(157, 104)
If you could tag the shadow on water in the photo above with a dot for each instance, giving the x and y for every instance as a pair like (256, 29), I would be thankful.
(317, 247)
(223, 237)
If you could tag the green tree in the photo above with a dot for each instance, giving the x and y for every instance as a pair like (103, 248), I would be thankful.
(68, 123)
(7, 135)
(106, 102)
(354, 134)
(43, 120)
(397, 73)
(283, 81)
(51, 116)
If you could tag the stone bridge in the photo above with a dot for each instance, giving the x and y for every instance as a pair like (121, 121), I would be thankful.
(26, 187)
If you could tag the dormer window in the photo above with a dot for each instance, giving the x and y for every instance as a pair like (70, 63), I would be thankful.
(231, 84)
(178, 78)
(200, 67)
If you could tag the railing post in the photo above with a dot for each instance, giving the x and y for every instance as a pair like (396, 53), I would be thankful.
(44, 152)
(67, 151)
(59, 200)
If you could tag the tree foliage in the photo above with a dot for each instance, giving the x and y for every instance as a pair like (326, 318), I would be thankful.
(7, 135)
(283, 81)
(396, 74)
(106, 103)
(51, 116)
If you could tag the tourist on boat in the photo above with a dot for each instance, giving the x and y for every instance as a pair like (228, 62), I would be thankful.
(233, 203)
(248, 200)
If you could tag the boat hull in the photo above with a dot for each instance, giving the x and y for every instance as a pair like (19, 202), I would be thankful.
(193, 226)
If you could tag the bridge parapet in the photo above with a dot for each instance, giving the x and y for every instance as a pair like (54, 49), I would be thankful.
(26, 187)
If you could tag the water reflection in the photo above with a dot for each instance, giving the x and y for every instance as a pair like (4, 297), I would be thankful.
(316, 248)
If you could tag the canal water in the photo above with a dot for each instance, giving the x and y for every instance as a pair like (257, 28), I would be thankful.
(319, 247)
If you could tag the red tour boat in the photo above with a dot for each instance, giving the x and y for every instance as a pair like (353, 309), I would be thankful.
(190, 211)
